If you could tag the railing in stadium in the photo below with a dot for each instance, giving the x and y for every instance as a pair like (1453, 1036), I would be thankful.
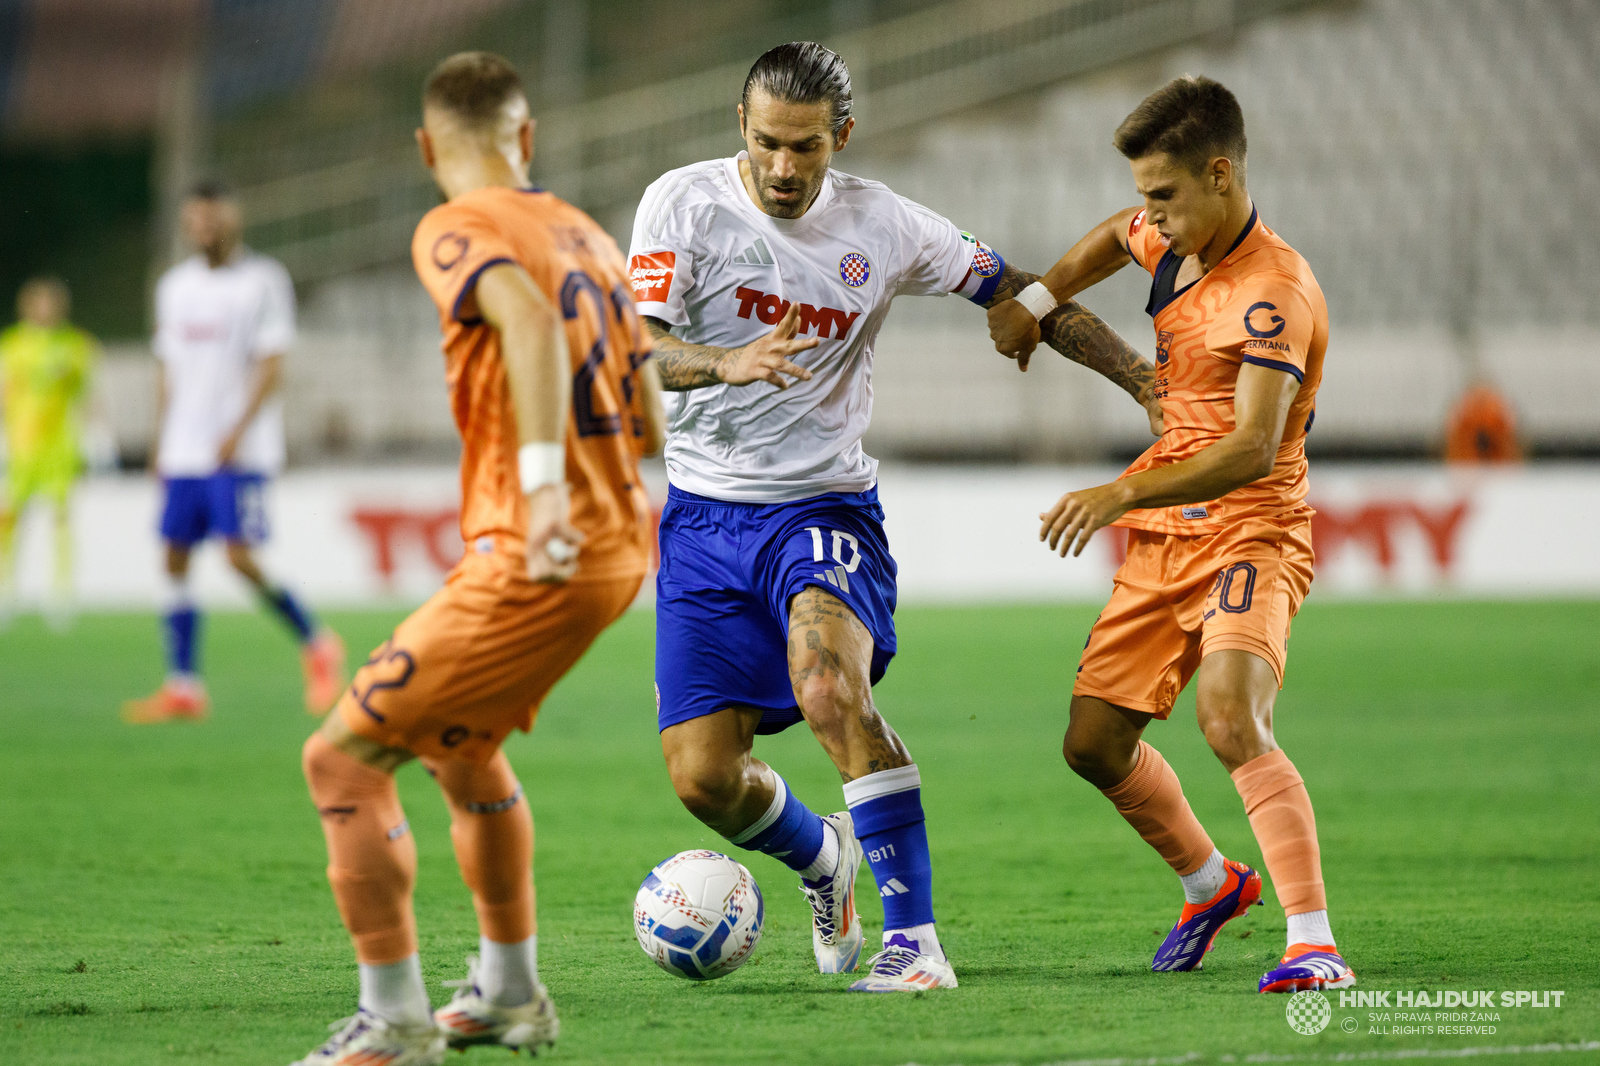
(601, 153)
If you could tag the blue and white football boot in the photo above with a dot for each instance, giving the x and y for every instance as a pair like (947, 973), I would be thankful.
(835, 925)
(1198, 925)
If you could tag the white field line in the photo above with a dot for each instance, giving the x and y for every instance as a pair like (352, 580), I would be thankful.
(1194, 1058)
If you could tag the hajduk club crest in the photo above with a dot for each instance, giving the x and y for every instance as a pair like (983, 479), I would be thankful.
(855, 270)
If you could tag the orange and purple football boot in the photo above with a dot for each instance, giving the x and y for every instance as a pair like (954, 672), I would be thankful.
(1199, 924)
(180, 698)
(1308, 967)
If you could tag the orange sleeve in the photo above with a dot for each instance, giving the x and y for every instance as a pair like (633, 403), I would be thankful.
(1145, 243)
(453, 246)
(1268, 322)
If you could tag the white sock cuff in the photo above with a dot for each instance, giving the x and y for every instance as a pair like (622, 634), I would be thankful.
(1310, 927)
(176, 594)
(1200, 884)
(394, 991)
(780, 796)
(508, 974)
(882, 783)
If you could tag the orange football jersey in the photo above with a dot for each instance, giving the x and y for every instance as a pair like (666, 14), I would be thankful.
(1259, 305)
(581, 270)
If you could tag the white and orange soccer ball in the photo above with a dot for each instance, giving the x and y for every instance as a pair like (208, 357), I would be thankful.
(698, 915)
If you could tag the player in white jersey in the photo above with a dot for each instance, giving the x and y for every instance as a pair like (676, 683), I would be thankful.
(776, 592)
(224, 319)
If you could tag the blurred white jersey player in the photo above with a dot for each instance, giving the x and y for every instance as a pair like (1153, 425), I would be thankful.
(765, 279)
(224, 320)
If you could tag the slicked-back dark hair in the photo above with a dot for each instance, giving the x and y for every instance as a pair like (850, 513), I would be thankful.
(1193, 119)
(472, 86)
(803, 72)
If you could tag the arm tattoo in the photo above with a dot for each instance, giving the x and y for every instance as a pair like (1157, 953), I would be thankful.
(1012, 281)
(1077, 333)
(684, 366)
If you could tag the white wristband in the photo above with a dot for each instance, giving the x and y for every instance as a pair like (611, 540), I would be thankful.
(1038, 300)
(541, 463)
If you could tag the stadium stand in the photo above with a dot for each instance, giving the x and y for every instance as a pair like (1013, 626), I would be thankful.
(1438, 192)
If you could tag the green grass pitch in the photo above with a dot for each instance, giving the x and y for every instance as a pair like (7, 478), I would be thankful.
(162, 896)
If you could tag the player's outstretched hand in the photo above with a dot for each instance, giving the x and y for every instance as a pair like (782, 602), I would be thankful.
(767, 359)
(1015, 332)
(1075, 517)
(1158, 424)
(553, 541)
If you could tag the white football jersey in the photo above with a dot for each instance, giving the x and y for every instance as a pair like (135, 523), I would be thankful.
(717, 269)
(211, 328)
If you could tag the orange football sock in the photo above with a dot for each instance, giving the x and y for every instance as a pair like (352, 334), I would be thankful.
(372, 857)
(1151, 799)
(492, 829)
(1275, 798)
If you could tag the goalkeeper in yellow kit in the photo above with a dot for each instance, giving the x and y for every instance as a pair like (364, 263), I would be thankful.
(46, 364)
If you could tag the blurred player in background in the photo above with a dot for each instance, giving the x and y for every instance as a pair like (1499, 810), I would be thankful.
(224, 319)
(549, 383)
(46, 365)
(776, 591)
(1219, 546)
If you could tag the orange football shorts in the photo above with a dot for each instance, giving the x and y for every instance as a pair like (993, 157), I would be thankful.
(1178, 599)
(477, 659)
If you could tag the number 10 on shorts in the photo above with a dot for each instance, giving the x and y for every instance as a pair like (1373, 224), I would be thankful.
(839, 576)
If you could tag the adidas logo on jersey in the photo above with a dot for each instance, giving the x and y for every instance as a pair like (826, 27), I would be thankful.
(819, 320)
(756, 255)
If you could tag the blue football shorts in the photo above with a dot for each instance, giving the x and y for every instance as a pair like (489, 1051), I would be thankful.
(230, 504)
(728, 572)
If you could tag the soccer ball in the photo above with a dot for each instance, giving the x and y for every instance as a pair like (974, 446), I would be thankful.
(698, 915)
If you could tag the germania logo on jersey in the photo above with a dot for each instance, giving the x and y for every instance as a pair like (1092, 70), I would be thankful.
(650, 276)
(855, 270)
(769, 308)
(449, 250)
(1276, 322)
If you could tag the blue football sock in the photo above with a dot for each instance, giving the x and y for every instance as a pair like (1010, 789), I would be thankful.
(887, 810)
(789, 831)
(182, 624)
(289, 609)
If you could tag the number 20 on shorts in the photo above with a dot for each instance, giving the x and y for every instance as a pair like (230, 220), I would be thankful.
(1234, 588)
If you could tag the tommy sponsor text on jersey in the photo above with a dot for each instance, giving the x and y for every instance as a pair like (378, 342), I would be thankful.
(718, 270)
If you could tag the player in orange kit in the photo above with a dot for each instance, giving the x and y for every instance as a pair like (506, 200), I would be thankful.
(1219, 544)
(538, 325)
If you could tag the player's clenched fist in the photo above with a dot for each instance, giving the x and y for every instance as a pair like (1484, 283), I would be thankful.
(767, 359)
(553, 541)
(1014, 330)
(1075, 517)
